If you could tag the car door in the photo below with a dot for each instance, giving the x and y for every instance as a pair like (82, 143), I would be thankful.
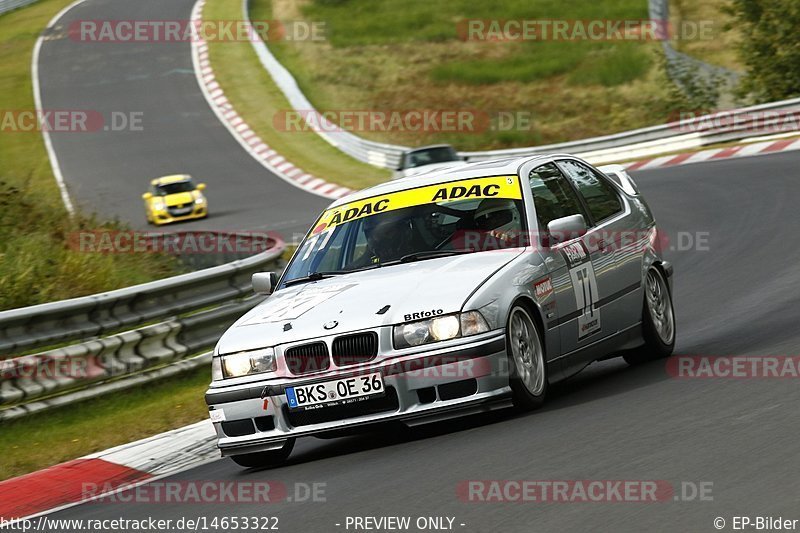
(617, 256)
(576, 270)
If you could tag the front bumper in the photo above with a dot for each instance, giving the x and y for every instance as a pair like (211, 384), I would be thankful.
(436, 384)
(163, 217)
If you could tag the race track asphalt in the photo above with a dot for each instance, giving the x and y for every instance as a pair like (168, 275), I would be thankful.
(736, 293)
(107, 171)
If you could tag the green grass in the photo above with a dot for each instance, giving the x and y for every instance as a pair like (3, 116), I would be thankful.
(721, 48)
(371, 22)
(253, 94)
(615, 65)
(52, 437)
(36, 263)
(398, 56)
(543, 60)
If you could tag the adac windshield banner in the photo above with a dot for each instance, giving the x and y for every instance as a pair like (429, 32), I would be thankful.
(470, 189)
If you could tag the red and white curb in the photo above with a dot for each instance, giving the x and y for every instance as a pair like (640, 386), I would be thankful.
(242, 132)
(100, 474)
(714, 154)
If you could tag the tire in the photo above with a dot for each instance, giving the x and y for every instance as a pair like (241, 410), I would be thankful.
(268, 459)
(658, 321)
(528, 370)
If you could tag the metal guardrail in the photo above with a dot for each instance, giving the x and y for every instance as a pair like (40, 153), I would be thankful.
(686, 134)
(68, 320)
(193, 309)
(375, 153)
(622, 146)
(10, 5)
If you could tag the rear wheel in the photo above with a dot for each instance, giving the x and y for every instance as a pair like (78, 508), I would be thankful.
(658, 321)
(528, 370)
(269, 458)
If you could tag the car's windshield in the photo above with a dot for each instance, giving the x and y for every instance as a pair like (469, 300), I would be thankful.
(440, 154)
(174, 188)
(414, 224)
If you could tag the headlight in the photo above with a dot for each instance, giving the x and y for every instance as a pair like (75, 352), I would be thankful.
(158, 205)
(246, 363)
(444, 328)
(473, 323)
(216, 369)
(200, 200)
(441, 328)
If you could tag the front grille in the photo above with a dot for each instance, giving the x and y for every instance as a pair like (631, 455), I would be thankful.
(307, 358)
(179, 210)
(353, 349)
(386, 403)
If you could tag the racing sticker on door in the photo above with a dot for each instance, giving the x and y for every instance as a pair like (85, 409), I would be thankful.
(584, 283)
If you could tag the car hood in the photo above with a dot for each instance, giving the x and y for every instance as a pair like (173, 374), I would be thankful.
(414, 171)
(179, 198)
(363, 300)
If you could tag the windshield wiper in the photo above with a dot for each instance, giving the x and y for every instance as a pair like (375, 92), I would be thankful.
(432, 254)
(314, 276)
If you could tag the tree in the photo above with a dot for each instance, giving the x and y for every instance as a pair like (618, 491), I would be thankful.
(769, 48)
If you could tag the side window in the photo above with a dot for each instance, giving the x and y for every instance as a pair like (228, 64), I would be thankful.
(553, 196)
(601, 197)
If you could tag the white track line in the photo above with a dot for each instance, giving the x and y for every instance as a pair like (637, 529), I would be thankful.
(37, 98)
(235, 124)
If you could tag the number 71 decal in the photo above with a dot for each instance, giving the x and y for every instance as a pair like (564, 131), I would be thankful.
(584, 284)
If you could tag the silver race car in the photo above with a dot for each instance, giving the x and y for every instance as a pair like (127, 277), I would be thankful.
(455, 292)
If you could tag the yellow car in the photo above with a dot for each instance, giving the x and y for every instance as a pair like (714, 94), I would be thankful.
(174, 198)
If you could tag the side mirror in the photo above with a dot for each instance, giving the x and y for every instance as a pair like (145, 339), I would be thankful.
(147, 196)
(566, 228)
(201, 186)
(264, 282)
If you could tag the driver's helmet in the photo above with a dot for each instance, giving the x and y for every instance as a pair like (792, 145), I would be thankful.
(498, 215)
(388, 235)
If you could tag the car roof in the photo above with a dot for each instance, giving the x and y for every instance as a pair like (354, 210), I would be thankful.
(174, 178)
(495, 167)
(428, 147)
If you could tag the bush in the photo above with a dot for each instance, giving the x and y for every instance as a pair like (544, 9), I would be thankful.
(37, 264)
(769, 48)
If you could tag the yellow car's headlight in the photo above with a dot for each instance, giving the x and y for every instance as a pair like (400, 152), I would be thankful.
(158, 205)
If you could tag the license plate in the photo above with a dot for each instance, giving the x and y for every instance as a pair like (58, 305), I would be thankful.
(336, 392)
(182, 210)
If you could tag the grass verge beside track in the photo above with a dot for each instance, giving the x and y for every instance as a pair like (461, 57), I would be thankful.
(36, 263)
(256, 98)
(382, 55)
(52, 437)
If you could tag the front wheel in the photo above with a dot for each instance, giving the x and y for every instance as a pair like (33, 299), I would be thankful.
(267, 459)
(658, 321)
(528, 370)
